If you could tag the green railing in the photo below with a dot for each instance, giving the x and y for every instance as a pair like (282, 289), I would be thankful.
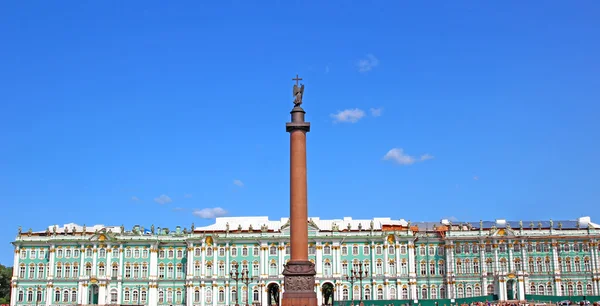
(440, 302)
(556, 298)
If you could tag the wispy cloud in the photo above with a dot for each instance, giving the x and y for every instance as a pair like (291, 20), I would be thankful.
(238, 183)
(163, 199)
(178, 209)
(187, 196)
(368, 63)
(327, 69)
(476, 178)
(398, 156)
(348, 115)
(135, 199)
(425, 157)
(209, 213)
(376, 112)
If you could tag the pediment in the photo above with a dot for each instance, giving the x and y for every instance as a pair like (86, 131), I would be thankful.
(103, 235)
(312, 226)
(504, 232)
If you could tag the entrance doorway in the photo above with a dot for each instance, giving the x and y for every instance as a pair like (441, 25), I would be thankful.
(511, 290)
(93, 294)
(327, 292)
(273, 294)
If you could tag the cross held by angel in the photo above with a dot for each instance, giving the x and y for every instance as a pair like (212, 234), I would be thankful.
(298, 91)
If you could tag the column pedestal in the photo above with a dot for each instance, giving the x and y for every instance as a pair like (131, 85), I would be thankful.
(299, 279)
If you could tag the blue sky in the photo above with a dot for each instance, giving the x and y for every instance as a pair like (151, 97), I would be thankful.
(144, 112)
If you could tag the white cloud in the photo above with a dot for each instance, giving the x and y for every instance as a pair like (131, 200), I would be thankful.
(210, 213)
(368, 63)
(163, 199)
(238, 183)
(376, 112)
(398, 156)
(425, 157)
(476, 178)
(451, 219)
(348, 115)
(135, 199)
(187, 196)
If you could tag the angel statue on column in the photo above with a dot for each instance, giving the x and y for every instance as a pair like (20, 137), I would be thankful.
(298, 93)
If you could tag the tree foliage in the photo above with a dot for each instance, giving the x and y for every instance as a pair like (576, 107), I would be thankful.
(5, 277)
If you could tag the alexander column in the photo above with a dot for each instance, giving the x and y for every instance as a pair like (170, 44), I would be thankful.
(299, 272)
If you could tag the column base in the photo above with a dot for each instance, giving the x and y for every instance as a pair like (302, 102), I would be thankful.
(299, 282)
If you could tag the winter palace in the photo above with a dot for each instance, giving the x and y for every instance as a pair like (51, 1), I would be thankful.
(239, 260)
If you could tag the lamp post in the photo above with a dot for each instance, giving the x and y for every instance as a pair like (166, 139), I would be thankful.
(360, 275)
(235, 275)
(351, 279)
(247, 279)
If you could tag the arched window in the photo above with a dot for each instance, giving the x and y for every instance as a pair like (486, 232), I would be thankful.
(541, 289)
(367, 294)
(588, 289)
(432, 293)
(57, 295)
(208, 296)
(392, 293)
(30, 296)
(221, 296)
(460, 292)
(169, 296)
(73, 296)
(127, 296)
(20, 296)
(197, 294)
(39, 296)
(345, 294)
(65, 296)
(532, 289)
(379, 293)
(114, 296)
(424, 293)
(579, 289)
(234, 297)
(135, 296)
(477, 291)
(273, 269)
(178, 296)
(442, 293)
(255, 295)
(490, 289)
(327, 269)
(549, 290)
(161, 297)
(404, 293)
(570, 288)
(469, 292)
(209, 253)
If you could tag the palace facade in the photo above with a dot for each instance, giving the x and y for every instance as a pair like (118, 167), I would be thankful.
(240, 259)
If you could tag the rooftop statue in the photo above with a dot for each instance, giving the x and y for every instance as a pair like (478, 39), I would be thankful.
(298, 92)
(20, 230)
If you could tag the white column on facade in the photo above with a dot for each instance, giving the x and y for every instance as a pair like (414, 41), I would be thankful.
(202, 265)
(13, 293)
(511, 264)
(265, 255)
(496, 260)
(319, 260)
(398, 268)
(95, 261)
(50, 295)
(52, 258)
(373, 263)
(102, 294)
(153, 290)
(215, 291)
(190, 261)
(521, 284)
(82, 264)
(81, 288)
(281, 258)
(386, 264)
(202, 290)
(16, 264)
(86, 294)
(319, 294)
(502, 290)
(261, 260)
(227, 262)
(152, 298)
(189, 300)
(215, 266)
(264, 295)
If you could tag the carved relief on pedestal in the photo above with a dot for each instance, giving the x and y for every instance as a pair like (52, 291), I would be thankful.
(299, 276)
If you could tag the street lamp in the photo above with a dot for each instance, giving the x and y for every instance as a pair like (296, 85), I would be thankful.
(235, 275)
(351, 280)
(360, 275)
(246, 279)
